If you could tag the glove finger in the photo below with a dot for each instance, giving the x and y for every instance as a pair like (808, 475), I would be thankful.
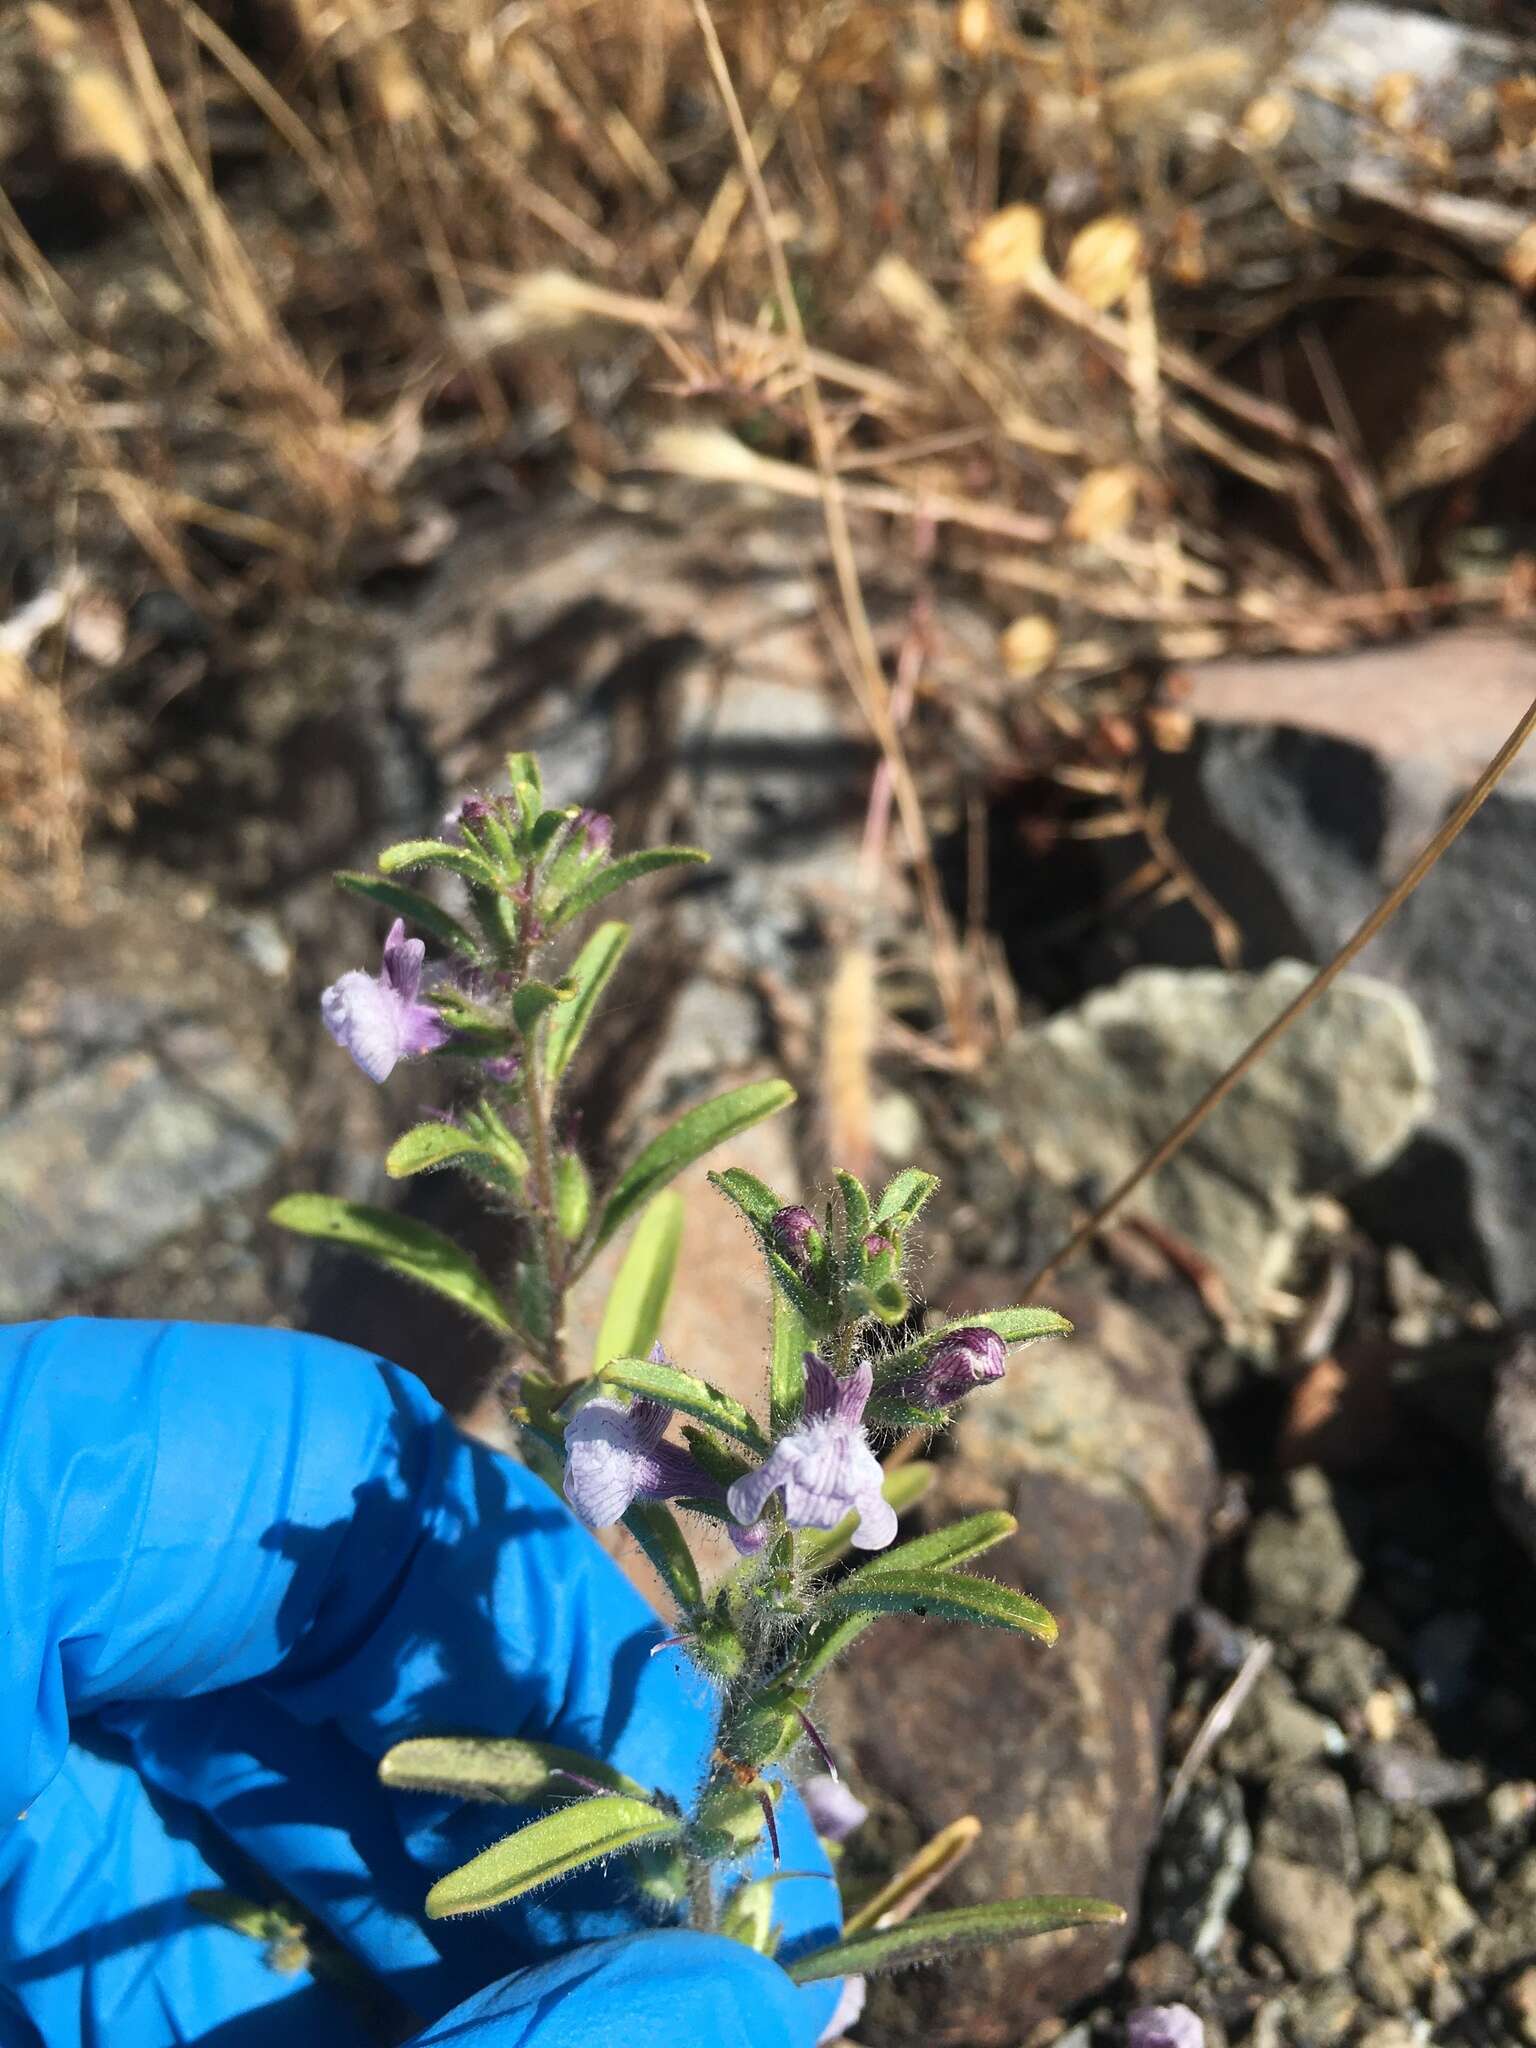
(645, 1991)
(204, 1507)
(100, 1942)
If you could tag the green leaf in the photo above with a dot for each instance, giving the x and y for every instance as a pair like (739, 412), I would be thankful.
(690, 1396)
(858, 1219)
(694, 1134)
(932, 1935)
(573, 1197)
(754, 1198)
(435, 853)
(547, 1848)
(527, 784)
(588, 894)
(724, 1466)
(534, 998)
(904, 1197)
(903, 1488)
(397, 1242)
(589, 975)
(498, 1770)
(946, 1596)
(638, 1297)
(1014, 1325)
(813, 1313)
(415, 909)
(786, 1371)
(496, 915)
(425, 1146)
(826, 1641)
(946, 1547)
(655, 1529)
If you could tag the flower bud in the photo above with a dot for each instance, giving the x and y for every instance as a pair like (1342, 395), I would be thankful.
(798, 1237)
(766, 1729)
(718, 1648)
(595, 831)
(957, 1364)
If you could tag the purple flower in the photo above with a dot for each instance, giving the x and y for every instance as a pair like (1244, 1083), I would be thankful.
(594, 829)
(1164, 2026)
(825, 1468)
(380, 1019)
(834, 1811)
(957, 1364)
(615, 1456)
(845, 2014)
(504, 1067)
(796, 1233)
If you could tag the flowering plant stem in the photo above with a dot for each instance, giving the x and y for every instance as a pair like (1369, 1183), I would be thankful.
(798, 1489)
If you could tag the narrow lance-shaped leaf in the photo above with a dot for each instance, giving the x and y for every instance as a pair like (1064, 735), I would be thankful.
(1015, 1326)
(688, 1394)
(534, 998)
(947, 1596)
(397, 1242)
(547, 1848)
(786, 1370)
(857, 1221)
(588, 894)
(637, 1299)
(754, 1198)
(498, 1770)
(589, 976)
(904, 1198)
(934, 1935)
(696, 1132)
(436, 1143)
(656, 1531)
(436, 853)
(415, 909)
(827, 1640)
(944, 1548)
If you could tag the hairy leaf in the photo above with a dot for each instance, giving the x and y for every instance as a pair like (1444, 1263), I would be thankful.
(786, 1371)
(696, 1132)
(425, 1146)
(397, 1242)
(499, 1770)
(945, 1547)
(547, 1848)
(754, 1198)
(534, 998)
(904, 1197)
(435, 853)
(933, 1935)
(588, 894)
(1014, 1325)
(589, 975)
(688, 1394)
(946, 1595)
(415, 909)
(638, 1297)
(655, 1529)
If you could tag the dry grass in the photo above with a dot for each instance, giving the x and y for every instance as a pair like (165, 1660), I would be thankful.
(997, 275)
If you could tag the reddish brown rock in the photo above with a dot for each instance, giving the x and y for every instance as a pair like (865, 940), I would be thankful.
(1097, 1448)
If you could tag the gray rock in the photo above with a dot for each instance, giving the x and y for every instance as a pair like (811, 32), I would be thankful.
(1300, 1566)
(1202, 1856)
(1421, 1844)
(1339, 1671)
(1091, 1091)
(1512, 1440)
(1273, 1732)
(1431, 1908)
(135, 1101)
(1407, 1777)
(1098, 1451)
(1306, 1913)
(1308, 1819)
(1320, 2015)
(1323, 777)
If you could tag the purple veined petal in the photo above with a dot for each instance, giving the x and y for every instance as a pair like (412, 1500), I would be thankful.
(822, 1388)
(403, 961)
(823, 1479)
(422, 1030)
(853, 1393)
(363, 1016)
(604, 1465)
(834, 1811)
(750, 1541)
(1164, 2026)
(877, 1523)
(846, 2012)
(748, 1496)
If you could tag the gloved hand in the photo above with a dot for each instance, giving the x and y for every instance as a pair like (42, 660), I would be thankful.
(238, 1566)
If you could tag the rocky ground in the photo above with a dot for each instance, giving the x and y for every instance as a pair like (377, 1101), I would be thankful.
(1281, 1487)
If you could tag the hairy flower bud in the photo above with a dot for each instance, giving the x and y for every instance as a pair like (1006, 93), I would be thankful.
(798, 1237)
(957, 1364)
(594, 829)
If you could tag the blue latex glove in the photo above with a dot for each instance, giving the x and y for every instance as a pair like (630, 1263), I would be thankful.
(238, 1565)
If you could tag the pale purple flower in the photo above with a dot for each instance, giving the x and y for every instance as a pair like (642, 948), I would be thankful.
(615, 1456)
(380, 1019)
(594, 829)
(957, 1364)
(846, 2012)
(1164, 2026)
(503, 1067)
(834, 1811)
(825, 1468)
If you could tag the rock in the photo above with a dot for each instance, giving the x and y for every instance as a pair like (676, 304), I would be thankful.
(1390, 1967)
(1088, 1093)
(1197, 1873)
(1389, 2034)
(1432, 1908)
(1300, 1566)
(1273, 1732)
(1321, 2014)
(1323, 777)
(135, 1097)
(1421, 1844)
(1512, 1440)
(1098, 1451)
(1508, 1939)
(1339, 1672)
(1407, 1777)
(1307, 1913)
(1308, 1819)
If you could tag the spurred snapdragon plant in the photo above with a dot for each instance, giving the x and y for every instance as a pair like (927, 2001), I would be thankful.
(631, 1437)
